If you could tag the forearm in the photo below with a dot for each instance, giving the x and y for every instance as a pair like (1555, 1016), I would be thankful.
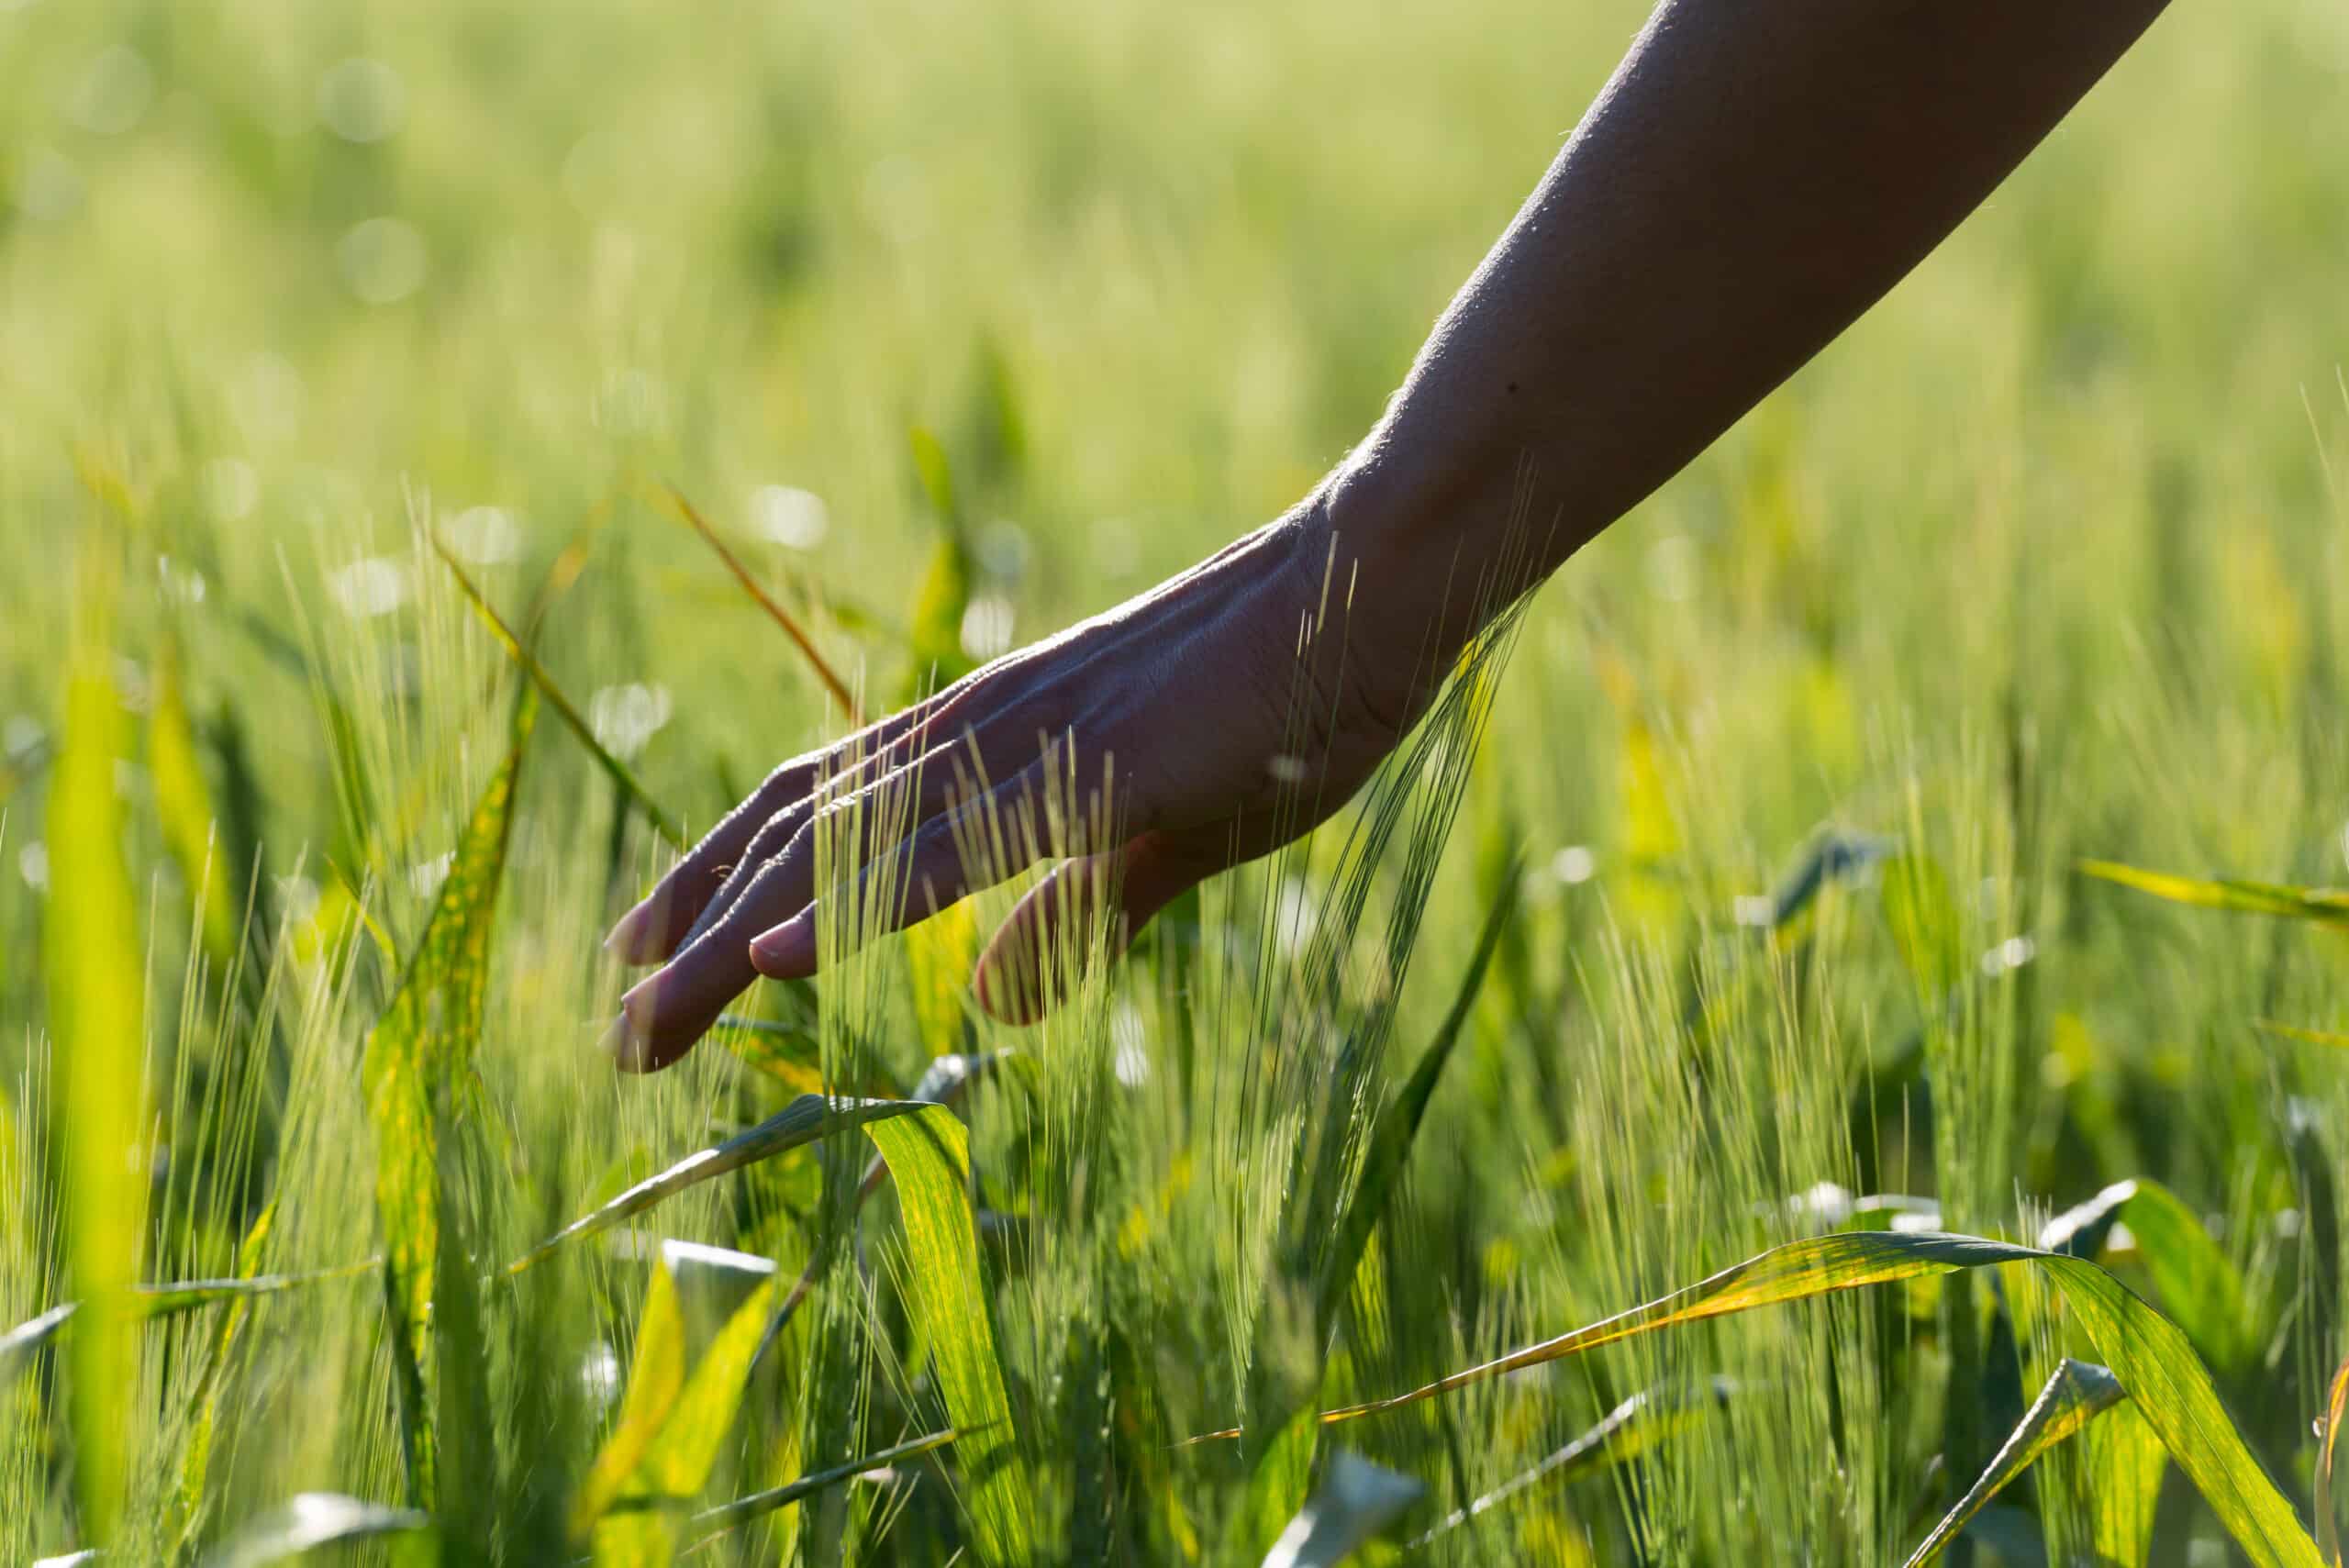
(1756, 175)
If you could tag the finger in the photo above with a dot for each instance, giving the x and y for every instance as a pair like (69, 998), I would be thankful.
(946, 860)
(881, 814)
(662, 921)
(1027, 969)
(664, 1013)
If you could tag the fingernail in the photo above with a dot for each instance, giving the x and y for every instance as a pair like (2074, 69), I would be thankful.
(623, 1045)
(638, 998)
(786, 952)
(621, 942)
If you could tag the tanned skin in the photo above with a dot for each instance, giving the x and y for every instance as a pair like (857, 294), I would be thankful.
(1755, 176)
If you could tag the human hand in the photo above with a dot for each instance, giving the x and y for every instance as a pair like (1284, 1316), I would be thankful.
(1208, 720)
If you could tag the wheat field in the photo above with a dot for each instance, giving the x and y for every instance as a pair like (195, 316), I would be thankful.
(1827, 1047)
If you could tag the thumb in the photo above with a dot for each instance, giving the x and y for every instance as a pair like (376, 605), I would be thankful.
(1033, 961)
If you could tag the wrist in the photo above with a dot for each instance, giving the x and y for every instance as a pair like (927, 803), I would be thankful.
(1394, 601)
(1402, 569)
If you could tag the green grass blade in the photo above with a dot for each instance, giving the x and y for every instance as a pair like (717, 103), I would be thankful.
(791, 1055)
(19, 1342)
(940, 954)
(615, 769)
(1355, 1500)
(1925, 927)
(2195, 1281)
(656, 1376)
(943, 597)
(2328, 1519)
(312, 1521)
(1398, 1125)
(1832, 858)
(2077, 1394)
(196, 1457)
(944, 1082)
(929, 1158)
(416, 1056)
(1628, 1430)
(2126, 1459)
(935, 475)
(2148, 1353)
(729, 1515)
(802, 1122)
(2307, 1036)
(2324, 905)
(146, 1303)
(167, 1300)
(93, 964)
(674, 1468)
(670, 496)
(1796, 1272)
(183, 808)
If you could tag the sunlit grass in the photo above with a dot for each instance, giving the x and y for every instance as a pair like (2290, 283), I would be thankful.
(1798, 815)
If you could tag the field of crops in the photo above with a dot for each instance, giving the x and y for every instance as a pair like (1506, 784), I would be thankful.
(1826, 1047)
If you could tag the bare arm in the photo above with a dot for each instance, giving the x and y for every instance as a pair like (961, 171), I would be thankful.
(1756, 175)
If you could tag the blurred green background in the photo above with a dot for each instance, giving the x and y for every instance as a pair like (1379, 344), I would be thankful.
(2043, 560)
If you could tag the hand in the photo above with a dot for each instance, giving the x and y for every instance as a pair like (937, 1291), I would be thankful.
(1201, 720)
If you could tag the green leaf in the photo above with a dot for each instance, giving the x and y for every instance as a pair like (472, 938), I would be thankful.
(727, 1516)
(1355, 1500)
(184, 807)
(195, 1456)
(944, 1081)
(674, 500)
(93, 963)
(1832, 857)
(656, 1376)
(2195, 1281)
(1398, 1124)
(802, 1122)
(2328, 1521)
(614, 769)
(20, 1341)
(2148, 1353)
(790, 1054)
(676, 1467)
(940, 954)
(310, 1521)
(934, 631)
(2124, 1459)
(1628, 1430)
(2325, 905)
(145, 1303)
(2077, 1394)
(1925, 927)
(2308, 1036)
(935, 475)
(416, 1055)
(929, 1158)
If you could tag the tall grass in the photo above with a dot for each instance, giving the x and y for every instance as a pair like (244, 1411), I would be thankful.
(1906, 823)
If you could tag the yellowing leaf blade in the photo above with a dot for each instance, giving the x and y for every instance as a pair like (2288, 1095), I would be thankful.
(929, 1157)
(93, 961)
(656, 1376)
(2150, 1355)
(415, 1055)
(675, 1469)
(2197, 1284)
(2324, 905)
